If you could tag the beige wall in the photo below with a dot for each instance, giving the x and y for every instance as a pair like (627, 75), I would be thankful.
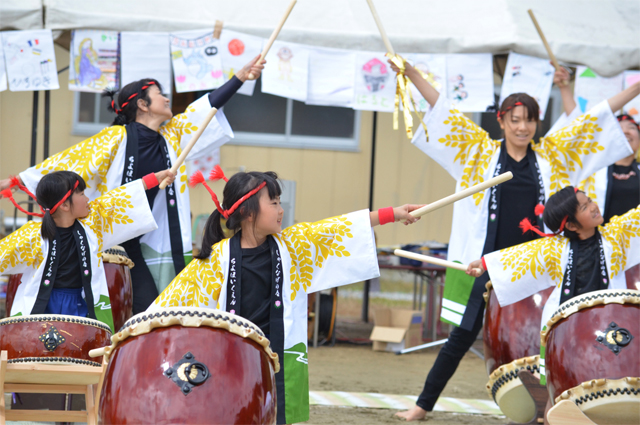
(328, 182)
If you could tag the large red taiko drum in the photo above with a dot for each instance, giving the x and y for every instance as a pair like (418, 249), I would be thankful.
(116, 268)
(592, 346)
(511, 337)
(190, 366)
(52, 338)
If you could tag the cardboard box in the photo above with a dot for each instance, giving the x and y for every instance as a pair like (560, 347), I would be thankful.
(396, 329)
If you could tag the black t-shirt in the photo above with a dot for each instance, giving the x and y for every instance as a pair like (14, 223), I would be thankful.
(68, 275)
(587, 265)
(518, 199)
(256, 285)
(625, 192)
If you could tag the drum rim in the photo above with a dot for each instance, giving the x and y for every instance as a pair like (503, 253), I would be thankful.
(192, 317)
(509, 371)
(119, 255)
(54, 359)
(489, 287)
(55, 318)
(595, 388)
(590, 299)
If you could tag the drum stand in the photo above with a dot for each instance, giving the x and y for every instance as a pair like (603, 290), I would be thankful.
(42, 378)
(537, 392)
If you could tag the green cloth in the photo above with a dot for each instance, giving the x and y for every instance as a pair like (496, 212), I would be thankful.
(457, 290)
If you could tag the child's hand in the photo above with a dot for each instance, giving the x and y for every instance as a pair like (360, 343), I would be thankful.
(166, 174)
(561, 77)
(475, 268)
(402, 213)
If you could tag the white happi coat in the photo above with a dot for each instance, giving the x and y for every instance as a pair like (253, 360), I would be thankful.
(522, 270)
(121, 214)
(100, 160)
(590, 142)
(315, 256)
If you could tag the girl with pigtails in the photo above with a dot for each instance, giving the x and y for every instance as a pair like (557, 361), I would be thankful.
(264, 273)
(59, 257)
(146, 137)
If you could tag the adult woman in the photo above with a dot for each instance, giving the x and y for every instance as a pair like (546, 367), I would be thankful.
(482, 224)
(136, 143)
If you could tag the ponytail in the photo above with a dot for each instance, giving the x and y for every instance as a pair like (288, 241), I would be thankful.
(48, 229)
(213, 234)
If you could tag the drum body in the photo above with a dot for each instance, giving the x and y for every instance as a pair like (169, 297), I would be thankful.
(511, 337)
(53, 338)
(592, 345)
(116, 269)
(190, 366)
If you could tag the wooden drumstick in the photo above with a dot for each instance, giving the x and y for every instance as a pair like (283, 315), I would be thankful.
(383, 33)
(98, 352)
(433, 260)
(274, 35)
(556, 65)
(462, 194)
(192, 142)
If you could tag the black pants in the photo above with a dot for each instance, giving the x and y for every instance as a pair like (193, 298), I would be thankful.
(447, 362)
(144, 287)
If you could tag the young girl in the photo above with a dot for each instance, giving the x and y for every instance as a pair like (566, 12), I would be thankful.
(264, 273)
(143, 138)
(489, 221)
(59, 257)
(580, 256)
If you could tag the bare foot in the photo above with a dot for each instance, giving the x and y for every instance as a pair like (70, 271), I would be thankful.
(414, 414)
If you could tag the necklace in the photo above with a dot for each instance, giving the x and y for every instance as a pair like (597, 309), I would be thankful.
(624, 176)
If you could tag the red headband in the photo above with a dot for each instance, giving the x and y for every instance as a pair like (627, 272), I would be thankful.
(526, 225)
(113, 104)
(218, 174)
(15, 181)
(626, 117)
(502, 113)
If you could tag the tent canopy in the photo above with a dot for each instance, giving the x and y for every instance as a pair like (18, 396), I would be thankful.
(20, 14)
(602, 34)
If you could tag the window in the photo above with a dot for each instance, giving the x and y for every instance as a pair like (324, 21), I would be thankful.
(258, 120)
(267, 120)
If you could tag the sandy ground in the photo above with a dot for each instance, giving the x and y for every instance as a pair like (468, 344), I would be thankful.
(357, 368)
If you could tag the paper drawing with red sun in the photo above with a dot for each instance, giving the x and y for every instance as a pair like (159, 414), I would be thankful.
(236, 47)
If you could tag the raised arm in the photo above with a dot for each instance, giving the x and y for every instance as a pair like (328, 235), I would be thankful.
(219, 97)
(561, 79)
(619, 100)
(426, 90)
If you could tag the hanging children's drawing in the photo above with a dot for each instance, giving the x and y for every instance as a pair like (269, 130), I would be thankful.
(433, 68)
(375, 83)
(93, 60)
(145, 55)
(196, 60)
(470, 81)
(528, 74)
(286, 72)
(592, 89)
(3, 72)
(236, 50)
(331, 77)
(30, 60)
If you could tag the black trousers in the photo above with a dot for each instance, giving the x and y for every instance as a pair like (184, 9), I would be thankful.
(144, 287)
(447, 362)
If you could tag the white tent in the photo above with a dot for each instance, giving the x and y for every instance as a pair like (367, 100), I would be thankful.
(20, 14)
(602, 34)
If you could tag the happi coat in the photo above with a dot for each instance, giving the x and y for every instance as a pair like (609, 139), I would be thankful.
(106, 161)
(312, 257)
(117, 216)
(590, 142)
(522, 270)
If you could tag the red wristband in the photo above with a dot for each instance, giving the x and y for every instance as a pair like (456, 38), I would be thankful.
(150, 180)
(385, 215)
(484, 264)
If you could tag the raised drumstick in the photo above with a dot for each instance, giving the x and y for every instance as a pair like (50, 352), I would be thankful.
(383, 33)
(462, 194)
(192, 142)
(556, 65)
(274, 34)
(432, 260)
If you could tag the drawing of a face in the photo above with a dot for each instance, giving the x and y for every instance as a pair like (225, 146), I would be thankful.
(285, 54)
(375, 74)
